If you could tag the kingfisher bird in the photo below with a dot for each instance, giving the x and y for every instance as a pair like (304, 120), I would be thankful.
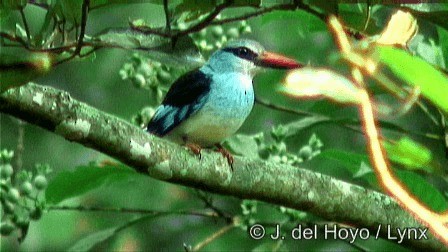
(209, 104)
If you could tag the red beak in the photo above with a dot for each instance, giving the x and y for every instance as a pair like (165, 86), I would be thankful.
(273, 60)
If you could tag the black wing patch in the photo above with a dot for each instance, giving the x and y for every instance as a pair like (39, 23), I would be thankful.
(186, 96)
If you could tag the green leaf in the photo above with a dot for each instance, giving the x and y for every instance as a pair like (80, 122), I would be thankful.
(102, 3)
(296, 18)
(69, 10)
(243, 145)
(436, 13)
(13, 4)
(87, 243)
(324, 6)
(443, 43)
(416, 72)
(409, 153)
(354, 15)
(84, 179)
(425, 191)
(356, 164)
(296, 127)
(268, 246)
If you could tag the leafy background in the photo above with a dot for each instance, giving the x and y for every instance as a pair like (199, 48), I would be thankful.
(299, 34)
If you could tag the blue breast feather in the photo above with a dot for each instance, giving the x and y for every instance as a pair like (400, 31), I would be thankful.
(186, 96)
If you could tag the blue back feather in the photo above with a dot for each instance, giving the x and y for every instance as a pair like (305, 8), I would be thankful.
(186, 96)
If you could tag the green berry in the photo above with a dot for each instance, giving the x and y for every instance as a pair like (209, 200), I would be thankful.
(26, 188)
(202, 33)
(217, 31)
(164, 76)
(244, 27)
(8, 207)
(276, 158)
(182, 25)
(218, 44)
(305, 152)
(13, 195)
(6, 155)
(139, 80)
(40, 182)
(281, 147)
(202, 43)
(6, 228)
(233, 33)
(159, 94)
(6, 171)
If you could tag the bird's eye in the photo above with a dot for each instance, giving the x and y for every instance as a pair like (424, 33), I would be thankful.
(243, 51)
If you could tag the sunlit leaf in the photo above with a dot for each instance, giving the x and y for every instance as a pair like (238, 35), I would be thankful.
(416, 72)
(410, 154)
(401, 28)
(84, 179)
(311, 82)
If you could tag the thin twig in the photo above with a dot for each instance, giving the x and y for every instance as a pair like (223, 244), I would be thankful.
(25, 24)
(20, 147)
(206, 21)
(213, 237)
(340, 122)
(85, 12)
(284, 109)
(15, 39)
(209, 204)
(254, 14)
(270, 9)
(130, 210)
(167, 16)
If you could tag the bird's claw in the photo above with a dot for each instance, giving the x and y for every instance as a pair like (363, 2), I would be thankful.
(196, 149)
(226, 154)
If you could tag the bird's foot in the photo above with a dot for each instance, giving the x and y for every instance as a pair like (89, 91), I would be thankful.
(195, 148)
(226, 154)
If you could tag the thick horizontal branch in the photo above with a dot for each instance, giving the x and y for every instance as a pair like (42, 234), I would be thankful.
(282, 184)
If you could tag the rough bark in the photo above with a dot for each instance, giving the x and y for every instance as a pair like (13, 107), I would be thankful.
(281, 184)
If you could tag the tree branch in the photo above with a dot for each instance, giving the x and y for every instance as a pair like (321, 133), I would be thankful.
(281, 184)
